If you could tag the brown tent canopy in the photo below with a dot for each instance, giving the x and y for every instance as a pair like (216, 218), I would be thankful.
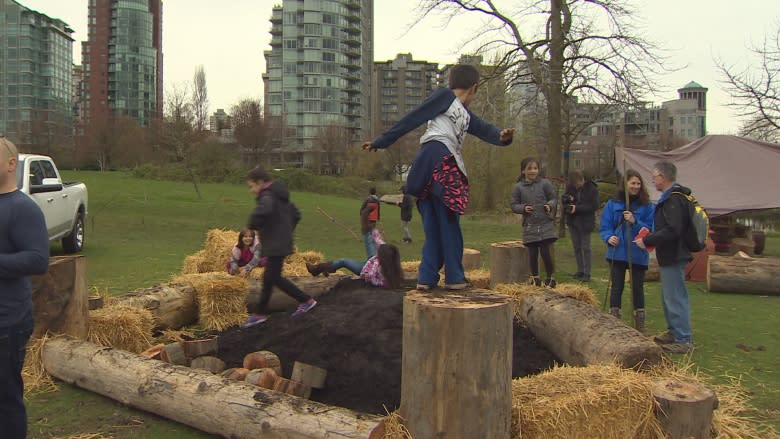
(725, 173)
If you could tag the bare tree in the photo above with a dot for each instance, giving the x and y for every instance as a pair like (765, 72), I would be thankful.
(587, 49)
(177, 135)
(200, 99)
(333, 141)
(249, 127)
(756, 91)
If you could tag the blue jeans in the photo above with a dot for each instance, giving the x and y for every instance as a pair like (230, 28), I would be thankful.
(677, 308)
(13, 415)
(368, 242)
(352, 265)
(443, 243)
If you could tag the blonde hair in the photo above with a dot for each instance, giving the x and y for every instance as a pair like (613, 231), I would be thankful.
(8, 149)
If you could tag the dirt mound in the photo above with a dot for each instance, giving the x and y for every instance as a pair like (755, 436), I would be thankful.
(355, 333)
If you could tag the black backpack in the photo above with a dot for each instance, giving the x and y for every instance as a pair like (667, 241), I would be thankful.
(698, 227)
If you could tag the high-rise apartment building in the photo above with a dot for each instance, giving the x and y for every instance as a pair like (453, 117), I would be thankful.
(400, 85)
(36, 58)
(123, 60)
(318, 73)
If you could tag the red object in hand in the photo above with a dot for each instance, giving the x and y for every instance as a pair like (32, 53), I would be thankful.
(644, 231)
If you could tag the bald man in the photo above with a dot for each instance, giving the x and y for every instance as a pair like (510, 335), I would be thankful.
(24, 251)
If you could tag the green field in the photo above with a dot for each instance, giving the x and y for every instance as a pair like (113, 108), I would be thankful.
(140, 231)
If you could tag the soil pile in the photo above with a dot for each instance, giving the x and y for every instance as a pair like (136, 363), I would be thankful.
(355, 332)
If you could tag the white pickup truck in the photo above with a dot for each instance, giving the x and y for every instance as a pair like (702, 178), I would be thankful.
(64, 205)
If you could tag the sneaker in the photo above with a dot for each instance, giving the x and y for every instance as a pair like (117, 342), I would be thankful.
(254, 319)
(458, 286)
(304, 307)
(664, 338)
(423, 287)
(677, 348)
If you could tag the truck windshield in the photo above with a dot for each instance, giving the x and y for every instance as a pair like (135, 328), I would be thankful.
(19, 172)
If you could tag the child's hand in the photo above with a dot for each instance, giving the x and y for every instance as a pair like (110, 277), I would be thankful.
(613, 241)
(367, 146)
(507, 134)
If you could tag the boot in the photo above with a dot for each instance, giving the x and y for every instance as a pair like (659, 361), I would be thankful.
(550, 283)
(325, 268)
(615, 312)
(639, 320)
(535, 281)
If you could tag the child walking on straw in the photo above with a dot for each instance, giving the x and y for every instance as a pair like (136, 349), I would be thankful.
(438, 175)
(275, 218)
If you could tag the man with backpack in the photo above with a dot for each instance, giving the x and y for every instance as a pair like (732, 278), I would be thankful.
(672, 225)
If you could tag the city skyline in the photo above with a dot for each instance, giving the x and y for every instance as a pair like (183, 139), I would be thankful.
(230, 45)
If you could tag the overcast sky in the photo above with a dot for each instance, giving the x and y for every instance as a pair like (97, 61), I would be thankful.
(228, 38)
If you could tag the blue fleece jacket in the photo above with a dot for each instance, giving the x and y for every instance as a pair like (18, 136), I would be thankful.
(613, 224)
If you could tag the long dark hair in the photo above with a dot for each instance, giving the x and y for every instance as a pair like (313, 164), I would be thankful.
(524, 164)
(390, 263)
(644, 196)
(241, 235)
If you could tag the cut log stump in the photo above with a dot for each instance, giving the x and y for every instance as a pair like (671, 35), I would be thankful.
(198, 398)
(581, 335)
(265, 377)
(291, 387)
(312, 376)
(471, 259)
(684, 409)
(261, 359)
(199, 348)
(154, 351)
(740, 274)
(508, 263)
(235, 373)
(173, 353)
(95, 302)
(60, 298)
(209, 363)
(456, 371)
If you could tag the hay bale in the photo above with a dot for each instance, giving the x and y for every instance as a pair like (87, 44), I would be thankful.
(410, 266)
(121, 327)
(295, 264)
(221, 298)
(517, 292)
(577, 291)
(584, 402)
(36, 379)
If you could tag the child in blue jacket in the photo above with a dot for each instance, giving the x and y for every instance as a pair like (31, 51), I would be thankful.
(618, 229)
(438, 175)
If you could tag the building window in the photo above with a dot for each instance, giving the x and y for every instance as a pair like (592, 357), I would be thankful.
(290, 44)
(329, 56)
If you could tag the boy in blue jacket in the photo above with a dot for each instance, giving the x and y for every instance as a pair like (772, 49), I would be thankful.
(438, 175)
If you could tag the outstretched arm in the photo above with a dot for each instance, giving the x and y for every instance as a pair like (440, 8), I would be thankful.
(438, 102)
(488, 132)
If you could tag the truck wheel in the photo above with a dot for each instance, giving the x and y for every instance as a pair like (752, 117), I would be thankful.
(74, 242)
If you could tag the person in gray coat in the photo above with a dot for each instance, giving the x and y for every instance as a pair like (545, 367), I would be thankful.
(535, 199)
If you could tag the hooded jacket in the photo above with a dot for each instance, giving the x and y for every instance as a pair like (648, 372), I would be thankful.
(275, 218)
(613, 224)
(671, 221)
(586, 203)
(537, 225)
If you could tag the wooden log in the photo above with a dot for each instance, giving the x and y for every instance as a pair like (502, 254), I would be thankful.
(743, 244)
(759, 237)
(235, 373)
(95, 302)
(154, 351)
(508, 263)
(173, 305)
(291, 387)
(456, 367)
(313, 286)
(60, 300)
(743, 275)
(312, 376)
(684, 409)
(173, 353)
(261, 359)
(581, 335)
(471, 259)
(198, 398)
(209, 363)
(265, 377)
(199, 348)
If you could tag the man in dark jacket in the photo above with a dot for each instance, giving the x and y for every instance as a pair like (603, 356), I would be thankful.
(671, 222)
(406, 213)
(581, 203)
(274, 218)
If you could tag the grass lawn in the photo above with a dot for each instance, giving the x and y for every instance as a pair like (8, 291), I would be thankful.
(139, 232)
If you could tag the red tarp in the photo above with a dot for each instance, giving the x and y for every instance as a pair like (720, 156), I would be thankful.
(725, 173)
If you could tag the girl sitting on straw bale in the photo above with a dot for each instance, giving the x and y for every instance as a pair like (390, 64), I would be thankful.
(245, 255)
(381, 270)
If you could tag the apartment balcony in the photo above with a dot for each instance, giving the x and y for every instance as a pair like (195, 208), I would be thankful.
(352, 29)
(352, 41)
(276, 41)
(353, 5)
(352, 18)
(276, 30)
(276, 16)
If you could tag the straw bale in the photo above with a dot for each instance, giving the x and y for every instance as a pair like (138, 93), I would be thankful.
(479, 278)
(517, 292)
(121, 327)
(174, 335)
(221, 298)
(584, 402)
(410, 266)
(195, 263)
(394, 428)
(36, 379)
(577, 291)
